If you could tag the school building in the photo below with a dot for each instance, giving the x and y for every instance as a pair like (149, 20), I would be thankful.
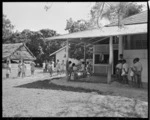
(61, 55)
(108, 42)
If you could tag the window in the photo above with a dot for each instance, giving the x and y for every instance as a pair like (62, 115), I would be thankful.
(135, 42)
(101, 58)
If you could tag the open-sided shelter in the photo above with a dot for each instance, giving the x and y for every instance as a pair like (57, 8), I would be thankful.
(111, 40)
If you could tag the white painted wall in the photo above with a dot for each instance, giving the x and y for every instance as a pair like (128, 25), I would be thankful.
(60, 56)
(129, 55)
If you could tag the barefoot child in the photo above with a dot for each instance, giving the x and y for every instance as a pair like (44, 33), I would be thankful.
(32, 64)
(19, 68)
(23, 69)
(8, 69)
(50, 68)
(63, 67)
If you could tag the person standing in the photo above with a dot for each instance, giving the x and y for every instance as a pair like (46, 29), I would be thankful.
(73, 74)
(63, 65)
(44, 66)
(89, 68)
(32, 65)
(82, 67)
(125, 70)
(132, 74)
(119, 70)
(121, 57)
(138, 72)
(23, 69)
(19, 68)
(69, 69)
(50, 68)
(53, 66)
(8, 68)
(58, 67)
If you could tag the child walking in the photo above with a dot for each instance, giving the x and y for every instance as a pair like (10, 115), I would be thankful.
(8, 69)
(58, 67)
(23, 69)
(19, 68)
(32, 67)
(50, 68)
(63, 67)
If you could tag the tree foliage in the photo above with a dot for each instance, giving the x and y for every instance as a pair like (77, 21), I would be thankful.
(35, 41)
(75, 26)
(7, 28)
(76, 50)
(113, 12)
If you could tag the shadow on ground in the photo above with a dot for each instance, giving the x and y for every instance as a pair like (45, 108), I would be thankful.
(45, 84)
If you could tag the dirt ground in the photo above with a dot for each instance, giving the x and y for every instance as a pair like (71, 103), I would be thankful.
(35, 96)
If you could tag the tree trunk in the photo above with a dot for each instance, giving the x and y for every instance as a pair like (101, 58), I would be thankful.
(110, 60)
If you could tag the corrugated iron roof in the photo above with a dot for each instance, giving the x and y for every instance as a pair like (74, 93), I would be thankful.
(14, 51)
(132, 25)
(105, 32)
(134, 19)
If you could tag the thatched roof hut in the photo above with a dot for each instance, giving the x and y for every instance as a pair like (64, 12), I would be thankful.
(17, 51)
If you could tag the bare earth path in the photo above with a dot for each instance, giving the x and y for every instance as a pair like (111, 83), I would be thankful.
(25, 102)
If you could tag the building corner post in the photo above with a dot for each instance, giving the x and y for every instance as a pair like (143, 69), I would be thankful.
(120, 45)
(109, 73)
(67, 58)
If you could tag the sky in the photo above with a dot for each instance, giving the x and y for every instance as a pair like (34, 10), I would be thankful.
(33, 16)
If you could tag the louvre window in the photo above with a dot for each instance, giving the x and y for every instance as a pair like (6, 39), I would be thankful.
(135, 42)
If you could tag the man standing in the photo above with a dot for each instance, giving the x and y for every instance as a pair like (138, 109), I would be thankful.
(125, 70)
(138, 71)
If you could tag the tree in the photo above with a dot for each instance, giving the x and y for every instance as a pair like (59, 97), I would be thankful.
(48, 33)
(76, 50)
(7, 28)
(113, 12)
(75, 26)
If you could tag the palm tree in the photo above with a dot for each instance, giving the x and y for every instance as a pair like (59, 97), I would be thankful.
(113, 11)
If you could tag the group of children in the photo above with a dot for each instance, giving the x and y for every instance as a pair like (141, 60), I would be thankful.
(52, 67)
(21, 68)
(135, 72)
(77, 71)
